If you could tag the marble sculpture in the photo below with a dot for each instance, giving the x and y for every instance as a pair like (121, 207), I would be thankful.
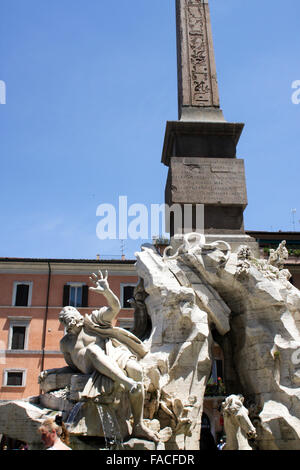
(151, 390)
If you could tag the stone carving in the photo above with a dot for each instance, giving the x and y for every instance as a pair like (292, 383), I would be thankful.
(271, 269)
(259, 332)
(244, 255)
(278, 257)
(199, 241)
(142, 322)
(262, 345)
(199, 244)
(21, 420)
(197, 40)
(208, 180)
(178, 364)
(93, 346)
(197, 72)
(195, 292)
(238, 427)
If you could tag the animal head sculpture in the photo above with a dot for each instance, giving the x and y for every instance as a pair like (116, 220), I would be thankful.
(237, 422)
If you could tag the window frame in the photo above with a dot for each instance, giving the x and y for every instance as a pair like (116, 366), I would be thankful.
(5, 377)
(14, 293)
(76, 285)
(18, 321)
(122, 285)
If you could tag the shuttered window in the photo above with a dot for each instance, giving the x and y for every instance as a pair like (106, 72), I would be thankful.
(75, 296)
(18, 337)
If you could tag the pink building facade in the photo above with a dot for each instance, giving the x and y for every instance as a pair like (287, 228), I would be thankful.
(32, 293)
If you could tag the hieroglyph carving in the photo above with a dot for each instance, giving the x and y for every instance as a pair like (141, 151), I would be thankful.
(200, 84)
(197, 38)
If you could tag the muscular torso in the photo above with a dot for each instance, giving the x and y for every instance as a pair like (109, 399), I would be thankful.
(74, 347)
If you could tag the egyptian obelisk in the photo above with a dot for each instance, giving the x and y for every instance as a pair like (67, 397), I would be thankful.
(200, 148)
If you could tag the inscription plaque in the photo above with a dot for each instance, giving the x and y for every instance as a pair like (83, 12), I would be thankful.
(208, 181)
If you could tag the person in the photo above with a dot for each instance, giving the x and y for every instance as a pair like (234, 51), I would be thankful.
(23, 446)
(54, 434)
(92, 344)
(221, 444)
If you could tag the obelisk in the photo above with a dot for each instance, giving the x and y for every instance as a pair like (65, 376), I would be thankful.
(200, 148)
(198, 94)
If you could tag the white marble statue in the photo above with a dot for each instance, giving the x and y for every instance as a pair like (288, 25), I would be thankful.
(92, 344)
(202, 293)
(238, 427)
(279, 256)
(178, 364)
(262, 347)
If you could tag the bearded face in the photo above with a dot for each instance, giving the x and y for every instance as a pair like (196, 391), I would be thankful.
(71, 318)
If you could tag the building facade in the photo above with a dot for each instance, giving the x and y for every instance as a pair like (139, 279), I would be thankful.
(32, 293)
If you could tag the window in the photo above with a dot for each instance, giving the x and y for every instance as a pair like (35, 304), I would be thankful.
(217, 369)
(75, 295)
(18, 337)
(14, 378)
(126, 294)
(18, 333)
(22, 293)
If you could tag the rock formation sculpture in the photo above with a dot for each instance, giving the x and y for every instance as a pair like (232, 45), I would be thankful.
(259, 335)
(194, 294)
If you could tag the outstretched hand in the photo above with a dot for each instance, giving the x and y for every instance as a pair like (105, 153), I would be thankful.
(101, 283)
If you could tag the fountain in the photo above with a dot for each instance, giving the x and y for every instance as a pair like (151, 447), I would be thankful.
(202, 291)
(146, 390)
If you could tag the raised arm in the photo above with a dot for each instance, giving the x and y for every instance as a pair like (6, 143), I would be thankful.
(108, 314)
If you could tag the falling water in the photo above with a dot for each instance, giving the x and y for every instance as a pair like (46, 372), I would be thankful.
(111, 429)
(101, 416)
(73, 413)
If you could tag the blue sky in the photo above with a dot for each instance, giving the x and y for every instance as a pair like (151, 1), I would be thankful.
(90, 86)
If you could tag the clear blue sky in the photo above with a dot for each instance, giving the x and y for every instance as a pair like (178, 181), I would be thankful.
(90, 86)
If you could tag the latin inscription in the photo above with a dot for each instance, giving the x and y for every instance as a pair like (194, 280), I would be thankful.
(208, 181)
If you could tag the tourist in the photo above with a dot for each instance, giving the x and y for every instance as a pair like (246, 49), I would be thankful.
(221, 444)
(23, 446)
(54, 434)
